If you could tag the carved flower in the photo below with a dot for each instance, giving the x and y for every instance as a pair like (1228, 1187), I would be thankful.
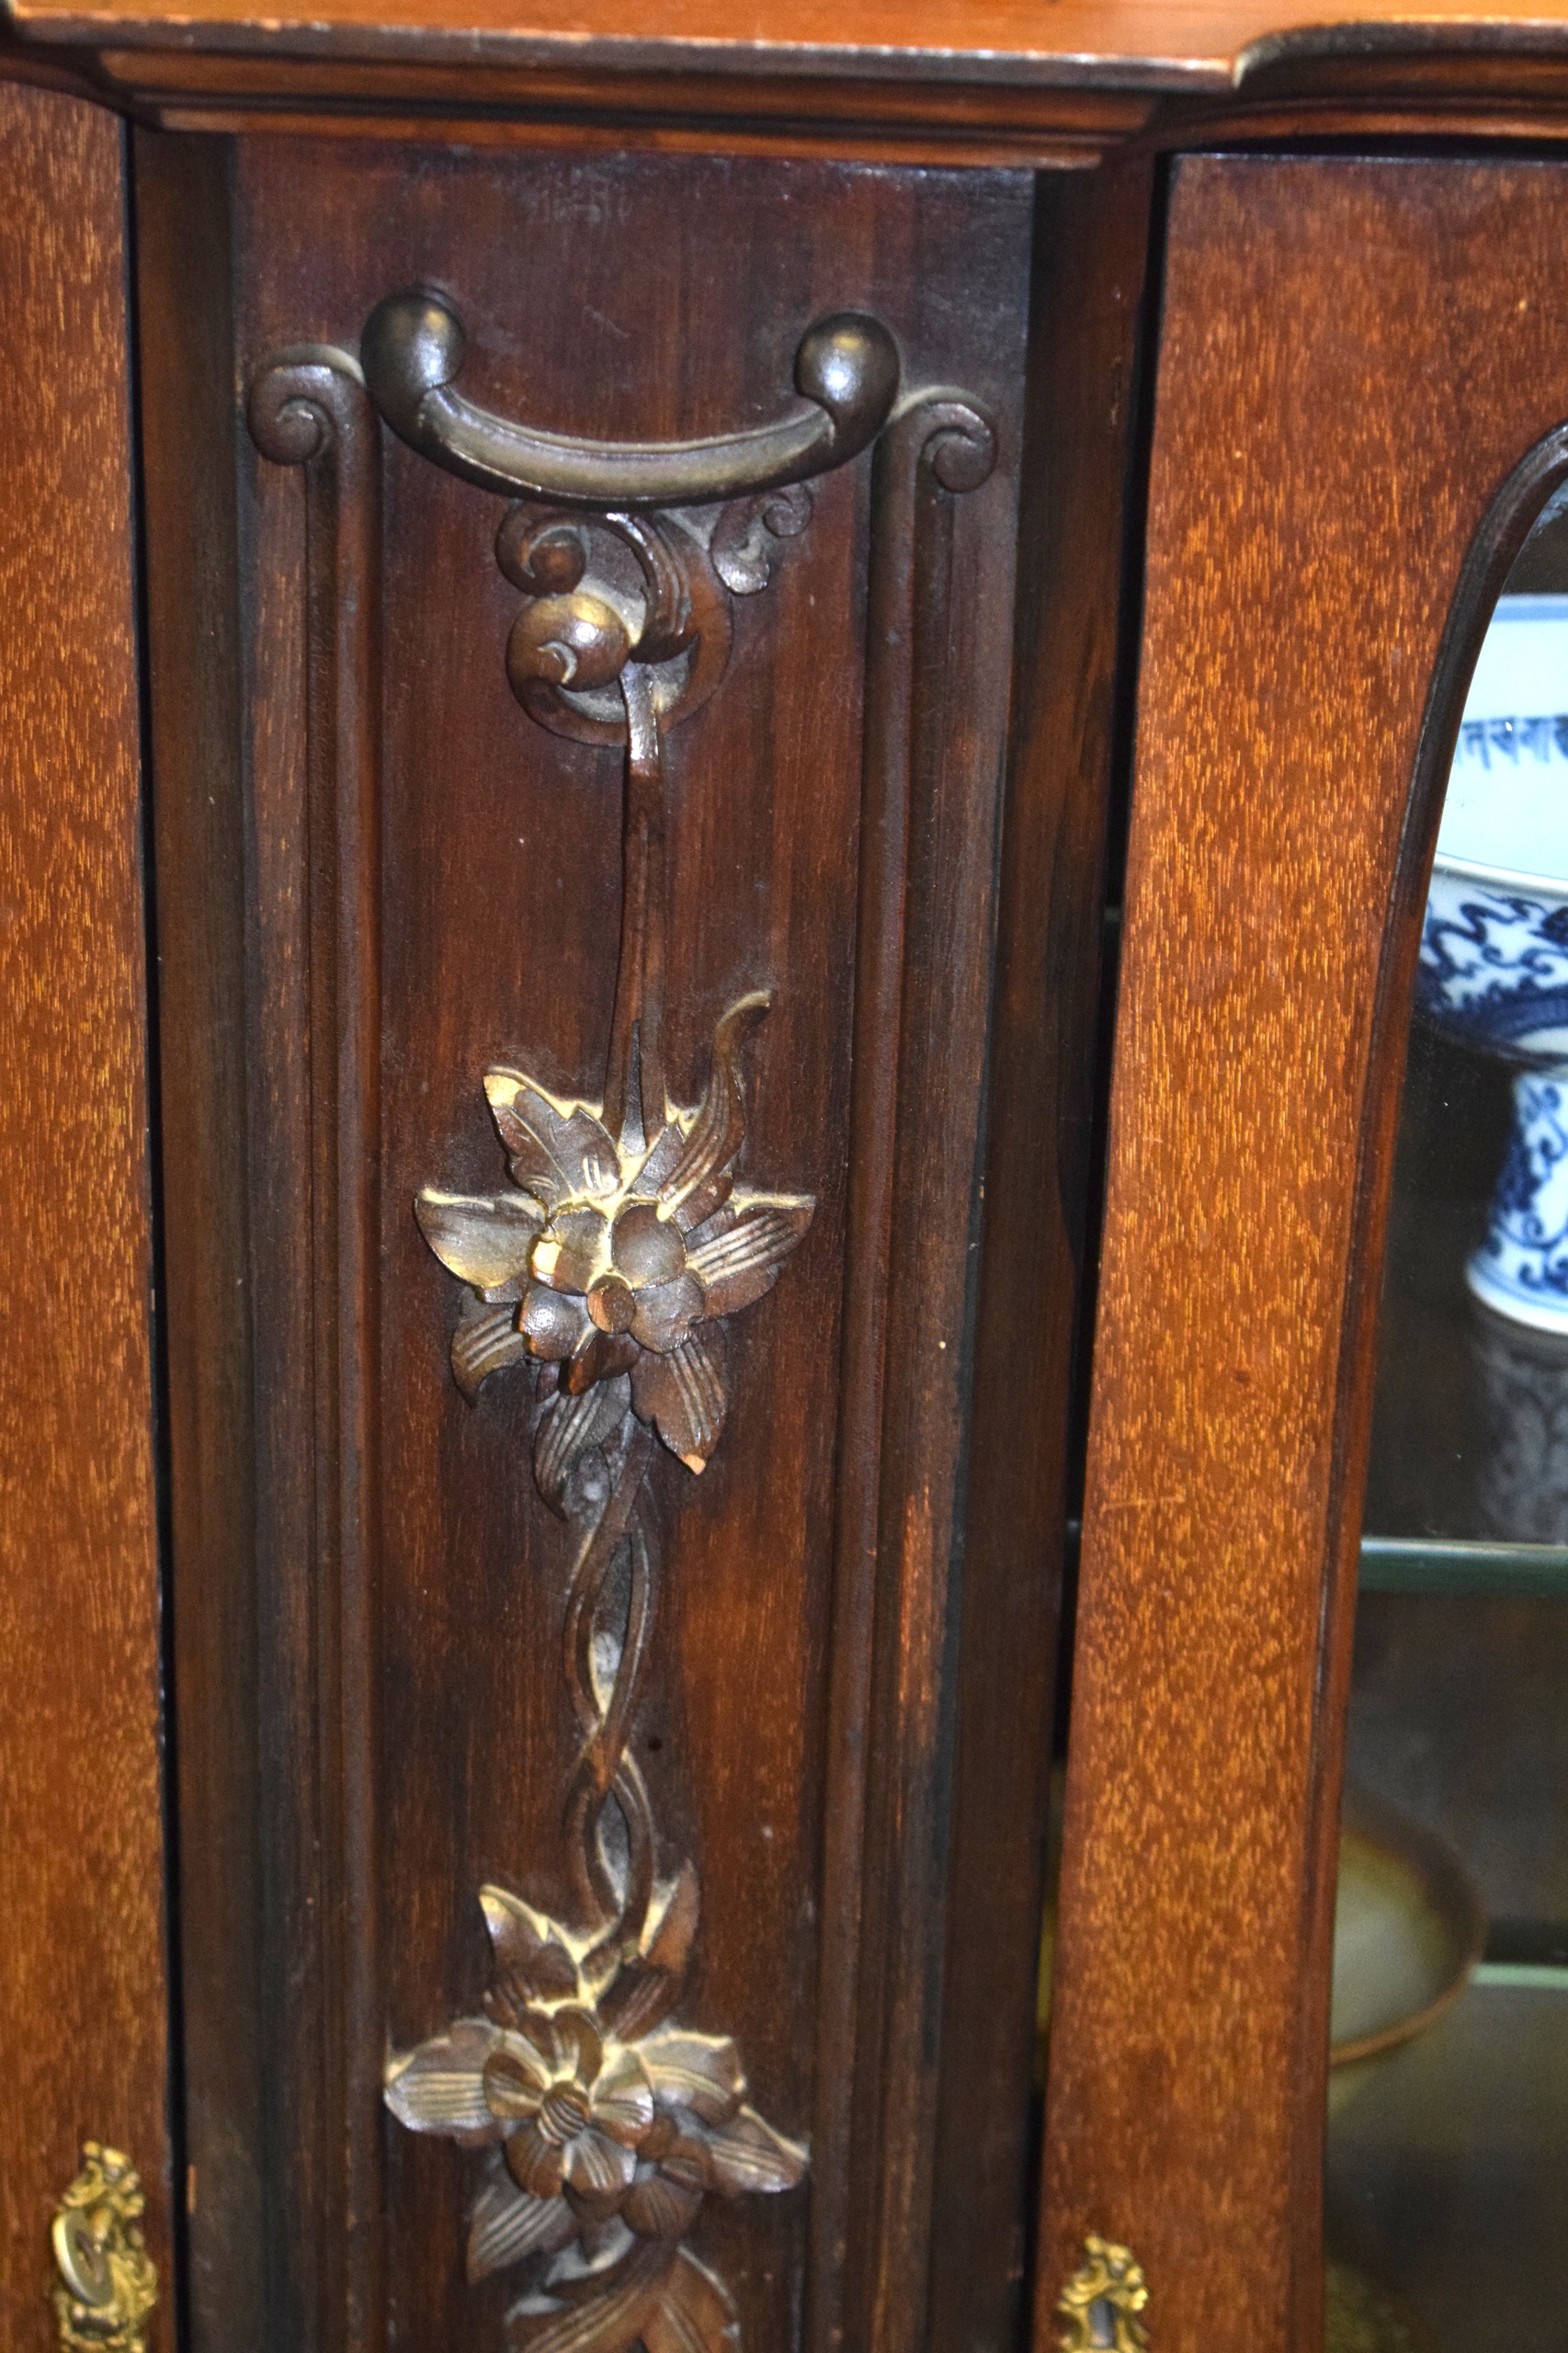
(608, 1260)
(613, 2124)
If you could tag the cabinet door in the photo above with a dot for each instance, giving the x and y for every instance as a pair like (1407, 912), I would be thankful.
(567, 650)
(1362, 392)
(83, 2020)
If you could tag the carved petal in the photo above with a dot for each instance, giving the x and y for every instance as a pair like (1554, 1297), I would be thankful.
(748, 2155)
(579, 2045)
(506, 2225)
(700, 1180)
(516, 2079)
(658, 2208)
(484, 1241)
(573, 1248)
(551, 1321)
(596, 2164)
(570, 1425)
(643, 1990)
(683, 1395)
(694, 2313)
(537, 2164)
(701, 2072)
(530, 1950)
(439, 2086)
(738, 1265)
(558, 1150)
(623, 2097)
(598, 1355)
(667, 1312)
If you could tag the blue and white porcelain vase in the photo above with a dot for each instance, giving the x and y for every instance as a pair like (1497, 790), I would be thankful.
(1495, 951)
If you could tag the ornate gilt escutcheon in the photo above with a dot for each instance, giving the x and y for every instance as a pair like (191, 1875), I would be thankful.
(1102, 2301)
(107, 2283)
(605, 1271)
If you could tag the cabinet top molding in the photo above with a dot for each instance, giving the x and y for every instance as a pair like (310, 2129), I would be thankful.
(1197, 47)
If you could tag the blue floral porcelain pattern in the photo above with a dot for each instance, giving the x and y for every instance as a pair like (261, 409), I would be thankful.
(1495, 964)
(1494, 971)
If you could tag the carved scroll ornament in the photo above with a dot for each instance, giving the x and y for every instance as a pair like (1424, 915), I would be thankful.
(608, 1268)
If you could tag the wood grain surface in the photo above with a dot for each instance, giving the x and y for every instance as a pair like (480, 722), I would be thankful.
(1197, 45)
(83, 1992)
(627, 296)
(1091, 253)
(1357, 357)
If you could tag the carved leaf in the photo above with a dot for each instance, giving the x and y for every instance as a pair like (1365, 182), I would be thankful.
(658, 2208)
(700, 1179)
(486, 1341)
(664, 1157)
(569, 1427)
(747, 2156)
(742, 1261)
(644, 1990)
(694, 2313)
(506, 2225)
(607, 2320)
(559, 1150)
(683, 1395)
(701, 2072)
(533, 1961)
(484, 1240)
(439, 2086)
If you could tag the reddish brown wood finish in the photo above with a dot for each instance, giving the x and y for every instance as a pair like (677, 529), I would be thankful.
(1194, 45)
(83, 1992)
(1356, 356)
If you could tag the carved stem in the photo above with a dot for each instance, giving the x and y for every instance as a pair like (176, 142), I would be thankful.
(606, 1774)
(634, 1071)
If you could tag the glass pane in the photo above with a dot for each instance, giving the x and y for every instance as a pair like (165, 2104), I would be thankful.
(1447, 2179)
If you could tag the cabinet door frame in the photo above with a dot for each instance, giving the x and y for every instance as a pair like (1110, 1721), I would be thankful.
(1357, 412)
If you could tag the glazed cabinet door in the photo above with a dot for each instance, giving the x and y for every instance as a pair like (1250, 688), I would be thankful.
(1352, 657)
(581, 592)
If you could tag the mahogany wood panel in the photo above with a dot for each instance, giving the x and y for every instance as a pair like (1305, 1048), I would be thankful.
(83, 1989)
(1356, 357)
(625, 297)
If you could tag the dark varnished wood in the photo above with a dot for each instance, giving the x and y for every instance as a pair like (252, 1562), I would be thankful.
(601, 297)
(1295, 622)
(83, 1985)
(1091, 253)
(192, 587)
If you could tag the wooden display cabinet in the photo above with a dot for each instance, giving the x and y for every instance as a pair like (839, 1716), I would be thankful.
(721, 752)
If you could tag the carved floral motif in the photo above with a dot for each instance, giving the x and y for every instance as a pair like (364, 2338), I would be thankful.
(611, 2124)
(611, 1265)
(613, 1258)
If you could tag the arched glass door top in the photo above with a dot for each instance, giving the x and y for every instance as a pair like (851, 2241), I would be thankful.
(1447, 2179)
